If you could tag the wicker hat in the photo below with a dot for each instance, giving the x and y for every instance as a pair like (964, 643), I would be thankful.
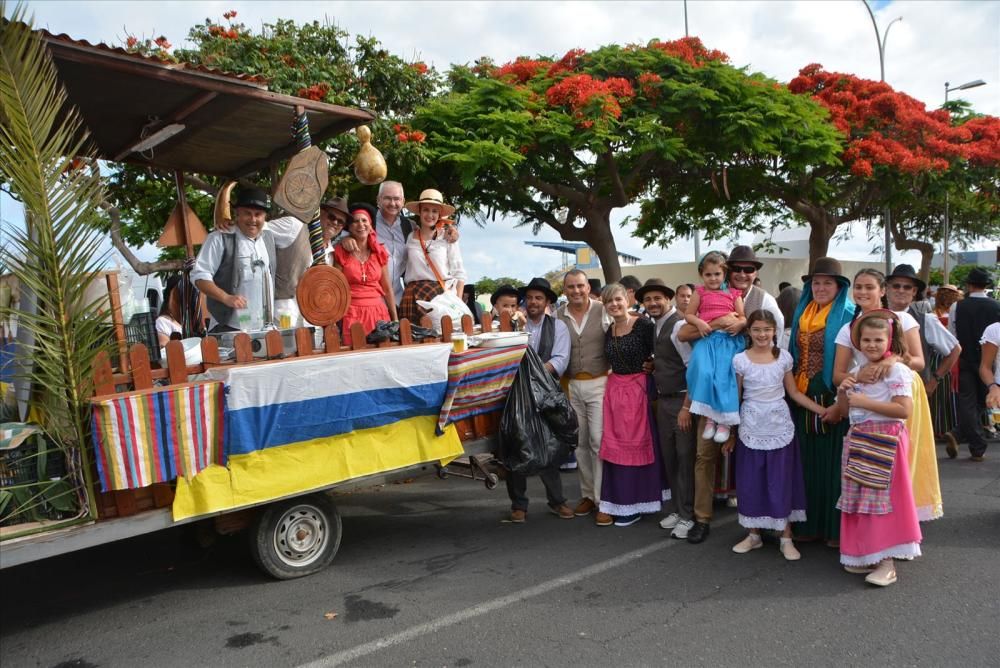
(907, 271)
(653, 285)
(827, 266)
(882, 314)
(431, 196)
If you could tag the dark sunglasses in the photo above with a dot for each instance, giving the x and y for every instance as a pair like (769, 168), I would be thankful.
(742, 270)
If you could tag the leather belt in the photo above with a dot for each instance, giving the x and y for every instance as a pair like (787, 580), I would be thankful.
(674, 395)
(583, 375)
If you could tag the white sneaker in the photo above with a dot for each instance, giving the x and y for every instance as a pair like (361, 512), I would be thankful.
(722, 433)
(682, 528)
(709, 430)
(670, 521)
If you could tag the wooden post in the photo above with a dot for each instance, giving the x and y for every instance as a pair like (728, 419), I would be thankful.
(115, 299)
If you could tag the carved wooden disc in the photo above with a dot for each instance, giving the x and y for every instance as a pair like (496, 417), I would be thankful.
(323, 295)
(301, 187)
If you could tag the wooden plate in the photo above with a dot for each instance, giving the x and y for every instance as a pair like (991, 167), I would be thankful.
(323, 295)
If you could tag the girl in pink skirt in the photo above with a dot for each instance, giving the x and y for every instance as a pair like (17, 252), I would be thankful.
(878, 521)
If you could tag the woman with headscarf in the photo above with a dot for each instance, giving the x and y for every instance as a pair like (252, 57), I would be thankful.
(824, 308)
(367, 273)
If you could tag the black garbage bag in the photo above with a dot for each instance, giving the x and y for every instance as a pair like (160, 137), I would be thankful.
(538, 427)
(386, 331)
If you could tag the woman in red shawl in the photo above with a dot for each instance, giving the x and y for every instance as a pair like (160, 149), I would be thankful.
(367, 272)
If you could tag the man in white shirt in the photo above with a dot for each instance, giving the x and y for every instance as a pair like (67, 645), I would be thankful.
(235, 271)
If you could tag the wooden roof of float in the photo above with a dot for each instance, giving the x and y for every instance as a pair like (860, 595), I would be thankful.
(232, 124)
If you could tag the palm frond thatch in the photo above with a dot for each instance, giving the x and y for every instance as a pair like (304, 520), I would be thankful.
(57, 254)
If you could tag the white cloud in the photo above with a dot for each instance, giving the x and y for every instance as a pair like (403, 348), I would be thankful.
(935, 42)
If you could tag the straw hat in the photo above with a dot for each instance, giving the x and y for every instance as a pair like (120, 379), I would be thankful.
(431, 196)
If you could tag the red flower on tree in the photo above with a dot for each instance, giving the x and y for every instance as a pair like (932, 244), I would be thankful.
(520, 70)
(888, 128)
(648, 84)
(567, 63)
(420, 68)
(690, 50)
(316, 92)
(581, 92)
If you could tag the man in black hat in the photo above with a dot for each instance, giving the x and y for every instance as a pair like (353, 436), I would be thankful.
(673, 418)
(970, 318)
(550, 339)
(236, 271)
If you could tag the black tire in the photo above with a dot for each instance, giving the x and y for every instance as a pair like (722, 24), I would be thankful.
(296, 537)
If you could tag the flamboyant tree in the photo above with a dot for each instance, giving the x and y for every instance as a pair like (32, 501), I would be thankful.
(565, 142)
(314, 60)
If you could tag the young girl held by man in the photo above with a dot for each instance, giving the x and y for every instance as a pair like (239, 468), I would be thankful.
(878, 521)
(710, 378)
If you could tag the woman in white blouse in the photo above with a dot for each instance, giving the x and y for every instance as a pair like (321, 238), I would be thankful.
(433, 265)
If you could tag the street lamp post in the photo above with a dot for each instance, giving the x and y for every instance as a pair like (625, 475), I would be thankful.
(945, 231)
(880, 40)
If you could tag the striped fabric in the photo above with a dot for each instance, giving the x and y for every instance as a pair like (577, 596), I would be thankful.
(151, 436)
(478, 381)
(870, 458)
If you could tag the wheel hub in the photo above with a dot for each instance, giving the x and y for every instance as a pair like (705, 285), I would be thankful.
(300, 535)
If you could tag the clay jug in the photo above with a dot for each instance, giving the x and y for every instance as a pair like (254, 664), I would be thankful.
(369, 166)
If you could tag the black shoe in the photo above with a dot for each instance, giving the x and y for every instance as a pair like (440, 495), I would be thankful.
(698, 533)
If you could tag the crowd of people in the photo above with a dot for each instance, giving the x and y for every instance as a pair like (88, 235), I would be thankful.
(825, 401)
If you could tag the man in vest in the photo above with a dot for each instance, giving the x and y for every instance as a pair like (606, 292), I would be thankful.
(969, 318)
(587, 374)
(235, 271)
(903, 291)
(550, 339)
(673, 418)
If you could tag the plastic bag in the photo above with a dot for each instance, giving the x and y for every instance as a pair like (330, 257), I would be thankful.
(447, 303)
(538, 427)
(389, 331)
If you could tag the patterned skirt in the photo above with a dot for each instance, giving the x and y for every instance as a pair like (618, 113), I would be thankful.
(422, 290)
(944, 406)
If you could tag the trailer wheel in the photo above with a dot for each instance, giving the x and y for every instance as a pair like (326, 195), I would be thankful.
(296, 537)
(492, 480)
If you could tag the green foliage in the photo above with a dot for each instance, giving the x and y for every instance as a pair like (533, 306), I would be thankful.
(313, 60)
(563, 143)
(56, 257)
(487, 286)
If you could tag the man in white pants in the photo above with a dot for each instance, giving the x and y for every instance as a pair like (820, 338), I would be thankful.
(587, 375)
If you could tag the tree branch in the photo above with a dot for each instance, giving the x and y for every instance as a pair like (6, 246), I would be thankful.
(619, 198)
(556, 190)
(140, 267)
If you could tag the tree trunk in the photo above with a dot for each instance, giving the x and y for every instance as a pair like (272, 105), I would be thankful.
(600, 238)
(822, 227)
(904, 243)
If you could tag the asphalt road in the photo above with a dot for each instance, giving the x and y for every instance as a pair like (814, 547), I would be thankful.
(427, 575)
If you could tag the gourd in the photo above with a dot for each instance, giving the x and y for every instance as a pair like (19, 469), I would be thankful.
(369, 166)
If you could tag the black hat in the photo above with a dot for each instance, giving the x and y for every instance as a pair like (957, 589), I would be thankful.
(338, 204)
(744, 254)
(253, 197)
(595, 285)
(827, 266)
(361, 206)
(652, 285)
(541, 285)
(504, 290)
(907, 271)
(979, 276)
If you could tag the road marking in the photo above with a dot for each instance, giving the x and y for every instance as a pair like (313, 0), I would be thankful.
(414, 632)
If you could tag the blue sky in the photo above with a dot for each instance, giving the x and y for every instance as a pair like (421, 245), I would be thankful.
(951, 41)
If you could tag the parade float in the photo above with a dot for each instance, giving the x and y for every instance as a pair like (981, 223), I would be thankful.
(258, 433)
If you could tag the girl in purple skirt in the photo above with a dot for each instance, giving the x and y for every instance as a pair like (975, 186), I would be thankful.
(768, 471)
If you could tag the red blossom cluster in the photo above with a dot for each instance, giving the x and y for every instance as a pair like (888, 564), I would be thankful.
(520, 70)
(224, 33)
(316, 92)
(648, 84)
(582, 90)
(162, 42)
(568, 63)
(419, 67)
(404, 134)
(690, 50)
(887, 128)
(231, 14)
(131, 42)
